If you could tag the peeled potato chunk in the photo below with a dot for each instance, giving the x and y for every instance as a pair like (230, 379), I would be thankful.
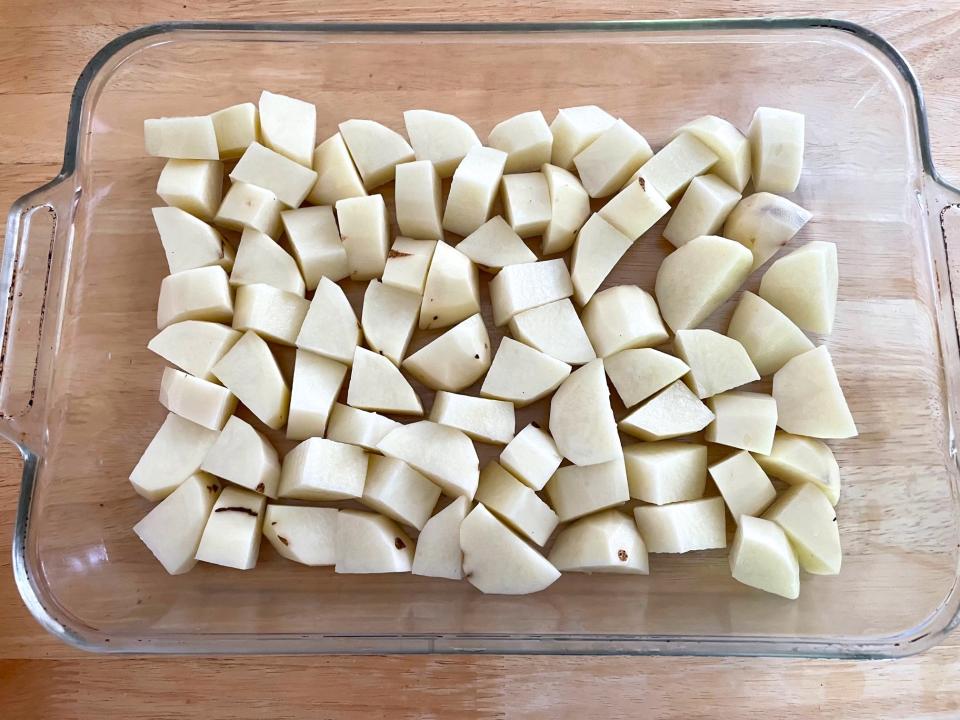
(729, 144)
(764, 222)
(795, 459)
(452, 289)
(705, 204)
(809, 398)
(810, 522)
(607, 542)
(745, 488)
(555, 329)
(455, 360)
(623, 317)
(717, 362)
(609, 161)
(581, 419)
(769, 337)
(186, 138)
(673, 412)
(637, 373)
(667, 471)
(569, 209)
(444, 454)
(573, 129)
(678, 162)
(377, 384)
(516, 504)
(697, 278)
(520, 287)
(521, 374)
(776, 149)
(761, 557)
(527, 140)
(441, 138)
(578, 490)
(803, 286)
(683, 526)
(744, 420)
(596, 251)
(376, 150)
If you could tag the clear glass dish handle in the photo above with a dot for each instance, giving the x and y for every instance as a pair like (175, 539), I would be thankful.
(36, 242)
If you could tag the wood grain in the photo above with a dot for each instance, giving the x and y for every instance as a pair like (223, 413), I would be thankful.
(43, 46)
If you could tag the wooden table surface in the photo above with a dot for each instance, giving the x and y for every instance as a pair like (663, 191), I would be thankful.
(43, 46)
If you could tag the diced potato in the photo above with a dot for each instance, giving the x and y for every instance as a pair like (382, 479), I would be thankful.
(330, 327)
(610, 160)
(803, 286)
(377, 384)
(717, 363)
(520, 287)
(684, 526)
(769, 337)
(236, 128)
(809, 398)
(635, 209)
(745, 488)
(185, 138)
(810, 522)
(729, 144)
(371, 543)
(532, 456)
(554, 329)
(743, 420)
(315, 243)
(319, 469)
(376, 150)
(581, 419)
(638, 373)
(250, 372)
(198, 294)
(194, 346)
(761, 557)
(173, 455)
(497, 561)
(696, 279)
(389, 318)
(231, 536)
(441, 138)
(701, 211)
(438, 551)
(288, 126)
(472, 192)
(248, 206)
(607, 542)
(189, 242)
(286, 179)
(273, 314)
(316, 384)
(244, 457)
(666, 472)
(192, 185)
(578, 490)
(357, 427)
(526, 203)
(408, 263)
(795, 459)
(172, 530)
(452, 289)
(776, 148)
(569, 209)
(516, 504)
(337, 177)
(673, 412)
(455, 360)
(365, 235)
(444, 454)
(396, 490)
(764, 223)
(482, 419)
(678, 162)
(305, 535)
(623, 317)
(596, 251)
(196, 400)
(574, 129)
(495, 245)
(418, 200)
(521, 374)
(261, 260)
(527, 140)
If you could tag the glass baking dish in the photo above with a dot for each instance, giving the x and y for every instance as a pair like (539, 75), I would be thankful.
(82, 266)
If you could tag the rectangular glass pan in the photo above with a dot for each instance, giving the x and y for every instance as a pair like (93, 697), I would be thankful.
(82, 267)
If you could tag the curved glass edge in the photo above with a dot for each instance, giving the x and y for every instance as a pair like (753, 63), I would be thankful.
(916, 640)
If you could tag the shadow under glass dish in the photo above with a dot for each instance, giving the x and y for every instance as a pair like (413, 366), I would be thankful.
(84, 405)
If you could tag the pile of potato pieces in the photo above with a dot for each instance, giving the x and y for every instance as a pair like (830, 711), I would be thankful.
(221, 311)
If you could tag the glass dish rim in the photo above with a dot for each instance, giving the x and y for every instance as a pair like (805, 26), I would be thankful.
(917, 639)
